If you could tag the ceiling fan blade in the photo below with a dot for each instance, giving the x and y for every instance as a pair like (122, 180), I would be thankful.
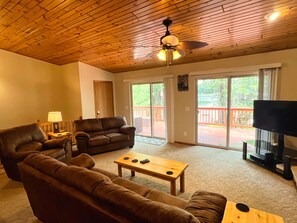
(190, 45)
(141, 46)
(152, 54)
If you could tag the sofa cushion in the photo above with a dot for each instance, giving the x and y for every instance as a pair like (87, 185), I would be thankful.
(88, 125)
(140, 208)
(208, 207)
(139, 189)
(117, 137)
(94, 134)
(113, 122)
(30, 146)
(112, 131)
(78, 177)
(81, 178)
(82, 160)
(166, 199)
(43, 163)
(110, 175)
(98, 140)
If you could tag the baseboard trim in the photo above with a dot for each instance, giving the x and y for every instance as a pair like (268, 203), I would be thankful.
(185, 143)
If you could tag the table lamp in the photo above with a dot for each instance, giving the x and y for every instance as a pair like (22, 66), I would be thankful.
(55, 117)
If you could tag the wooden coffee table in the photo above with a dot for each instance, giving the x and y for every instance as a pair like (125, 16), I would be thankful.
(232, 214)
(157, 167)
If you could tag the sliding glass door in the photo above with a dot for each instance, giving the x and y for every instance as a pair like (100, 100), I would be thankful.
(225, 110)
(244, 90)
(148, 106)
(212, 111)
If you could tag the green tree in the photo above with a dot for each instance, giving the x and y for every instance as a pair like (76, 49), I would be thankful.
(213, 92)
(141, 94)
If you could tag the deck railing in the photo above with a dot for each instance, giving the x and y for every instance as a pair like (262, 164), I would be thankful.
(145, 111)
(239, 117)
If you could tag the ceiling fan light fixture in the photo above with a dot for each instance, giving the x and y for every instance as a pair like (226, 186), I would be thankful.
(170, 40)
(272, 16)
(162, 55)
(176, 54)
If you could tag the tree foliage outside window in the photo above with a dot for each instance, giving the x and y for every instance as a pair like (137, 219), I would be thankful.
(213, 92)
(141, 94)
(244, 91)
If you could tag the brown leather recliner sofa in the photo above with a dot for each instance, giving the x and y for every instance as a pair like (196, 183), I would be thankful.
(81, 193)
(17, 143)
(100, 135)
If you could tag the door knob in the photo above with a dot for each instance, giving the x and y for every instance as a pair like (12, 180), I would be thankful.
(98, 112)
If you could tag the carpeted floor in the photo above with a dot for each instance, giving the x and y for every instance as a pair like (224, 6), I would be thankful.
(209, 169)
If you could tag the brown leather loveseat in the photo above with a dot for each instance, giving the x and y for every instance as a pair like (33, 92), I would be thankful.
(81, 193)
(100, 135)
(17, 143)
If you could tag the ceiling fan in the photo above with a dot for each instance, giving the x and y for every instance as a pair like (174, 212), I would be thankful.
(172, 48)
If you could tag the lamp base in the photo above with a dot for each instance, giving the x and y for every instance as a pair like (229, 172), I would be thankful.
(56, 127)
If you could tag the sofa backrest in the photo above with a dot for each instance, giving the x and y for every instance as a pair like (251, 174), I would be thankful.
(91, 192)
(113, 122)
(10, 139)
(88, 125)
(99, 124)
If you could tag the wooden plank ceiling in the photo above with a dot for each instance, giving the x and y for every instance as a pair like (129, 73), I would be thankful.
(118, 35)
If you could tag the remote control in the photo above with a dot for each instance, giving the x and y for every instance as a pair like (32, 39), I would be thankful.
(145, 161)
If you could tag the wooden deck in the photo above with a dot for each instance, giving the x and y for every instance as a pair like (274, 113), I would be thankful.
(212, 122)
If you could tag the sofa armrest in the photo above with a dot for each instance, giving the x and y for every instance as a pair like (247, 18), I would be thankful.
(127, 129)
(82, 135)
(55, 143)
(82, 160)
(207, 206)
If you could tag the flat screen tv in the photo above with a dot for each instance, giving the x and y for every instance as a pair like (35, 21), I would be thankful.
(276, 116)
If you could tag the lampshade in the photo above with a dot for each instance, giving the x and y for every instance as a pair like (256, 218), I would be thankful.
(162, 55)
(176, 54)
(54, 116)
(169, 54)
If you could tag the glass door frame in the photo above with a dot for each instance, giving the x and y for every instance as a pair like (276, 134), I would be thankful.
(229, 90)
(151, 108)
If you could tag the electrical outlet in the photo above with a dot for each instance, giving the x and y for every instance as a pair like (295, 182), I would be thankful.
(185, 134)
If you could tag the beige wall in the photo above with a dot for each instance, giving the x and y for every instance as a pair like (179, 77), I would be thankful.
(184, 121)
(30, 88)
(87, 75)
(72, 105)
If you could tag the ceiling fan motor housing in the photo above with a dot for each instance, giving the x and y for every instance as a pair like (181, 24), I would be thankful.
(170, 40)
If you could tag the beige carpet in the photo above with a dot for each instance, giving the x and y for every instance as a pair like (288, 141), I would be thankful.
(209, 169)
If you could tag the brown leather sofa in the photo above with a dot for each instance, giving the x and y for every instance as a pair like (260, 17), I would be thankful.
(17, 143)
(81, 193)
(100, 135)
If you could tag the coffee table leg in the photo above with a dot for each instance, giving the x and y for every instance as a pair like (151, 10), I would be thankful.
(182, 182)
(132, 173)
(120, 170)
(173, 187)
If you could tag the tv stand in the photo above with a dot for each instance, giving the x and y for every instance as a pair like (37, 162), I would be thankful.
(270, 156)
(281, 146)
